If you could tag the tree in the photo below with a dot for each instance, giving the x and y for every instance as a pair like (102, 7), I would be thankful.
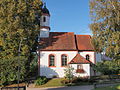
(8, 70)
(19, 24)
(69, 73)
(105, 15)
(108, 67)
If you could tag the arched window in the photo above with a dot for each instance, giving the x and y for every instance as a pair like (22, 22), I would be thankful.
(64, 60)
(80, 69)
(51, 60)
(44, 19)
(79, 66)
(87, 57)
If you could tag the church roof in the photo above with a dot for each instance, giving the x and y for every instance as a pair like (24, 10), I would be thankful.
(65, 41)
(84, 42)
(78, 59)
(58, 41)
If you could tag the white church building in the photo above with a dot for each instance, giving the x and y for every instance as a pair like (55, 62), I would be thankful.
(58, 50)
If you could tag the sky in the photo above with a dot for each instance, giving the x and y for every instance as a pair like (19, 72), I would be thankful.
(69, 16)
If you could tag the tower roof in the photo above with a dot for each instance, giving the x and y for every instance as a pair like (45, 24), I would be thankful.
(45, 10)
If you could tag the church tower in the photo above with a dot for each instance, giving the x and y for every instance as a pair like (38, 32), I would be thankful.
(44, 23)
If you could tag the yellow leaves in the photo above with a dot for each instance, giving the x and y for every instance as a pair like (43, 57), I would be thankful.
(105, 15)
(25, 50)
(1, 43)
(21, 7)
(17, 20)
(37, 2)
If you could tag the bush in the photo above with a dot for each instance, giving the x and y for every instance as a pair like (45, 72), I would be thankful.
(69, 71)
(41, 80)
(76, 80)
(80, 79)
(65, 82)
(108, 67)
(55, 76)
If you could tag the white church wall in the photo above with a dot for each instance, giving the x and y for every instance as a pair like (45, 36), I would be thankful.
(90, 53)
(86, 68)
(58, 70)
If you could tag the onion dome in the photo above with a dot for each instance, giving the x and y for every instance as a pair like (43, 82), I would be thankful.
(45, 10)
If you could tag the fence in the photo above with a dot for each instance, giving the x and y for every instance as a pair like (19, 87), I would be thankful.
(13, 88)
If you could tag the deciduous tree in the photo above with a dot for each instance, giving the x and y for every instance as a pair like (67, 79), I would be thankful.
(108, 67)
(105, 15)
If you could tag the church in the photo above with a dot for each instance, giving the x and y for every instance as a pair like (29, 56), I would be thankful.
(58, 50)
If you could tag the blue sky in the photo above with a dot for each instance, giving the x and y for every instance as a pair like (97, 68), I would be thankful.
(69, 16)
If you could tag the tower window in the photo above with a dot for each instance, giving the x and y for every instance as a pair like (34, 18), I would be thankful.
(44, 19)
(64, 60)
(87, 57)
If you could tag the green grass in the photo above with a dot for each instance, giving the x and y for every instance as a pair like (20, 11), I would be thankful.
(116, 87)
(52, 83)
(56, 82)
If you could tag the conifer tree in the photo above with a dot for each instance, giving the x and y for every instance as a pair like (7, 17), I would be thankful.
(105, 15)
(19, 26)
(18, 23)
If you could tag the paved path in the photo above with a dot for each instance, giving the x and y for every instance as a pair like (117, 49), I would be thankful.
(86, 87)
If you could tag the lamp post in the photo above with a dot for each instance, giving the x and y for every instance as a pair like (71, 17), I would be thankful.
(38, 55)
(18, 76)
(38, 49)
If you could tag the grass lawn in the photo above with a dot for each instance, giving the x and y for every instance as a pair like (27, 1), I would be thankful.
(56, 82)
(116, 87)
(52, 83)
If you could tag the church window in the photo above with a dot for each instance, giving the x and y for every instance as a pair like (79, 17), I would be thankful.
(79, 66)
(44, 19)
(64, 60)
(87, 57)
(51, 60)
(80, 69)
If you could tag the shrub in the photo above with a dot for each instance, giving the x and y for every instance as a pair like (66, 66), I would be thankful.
(76, 80)
(69, 73)
(55, 76)
(85, 79)
(80, 79)
(41, 81)
(65, 82)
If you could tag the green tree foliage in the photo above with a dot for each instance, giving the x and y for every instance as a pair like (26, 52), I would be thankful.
(105, 15)
(8, 70)
(19, 24)
(108, 67)
(40, 81)
(69, 73)
(34, 67)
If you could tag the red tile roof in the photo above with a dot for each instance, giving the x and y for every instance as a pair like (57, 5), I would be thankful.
(58, 41)
(65, 41)
(78, 59)
(84, 42)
